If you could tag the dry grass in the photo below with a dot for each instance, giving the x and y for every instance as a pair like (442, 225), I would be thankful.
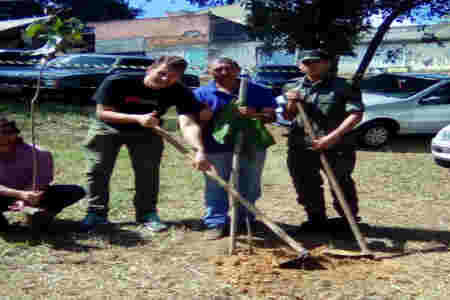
(403, 204)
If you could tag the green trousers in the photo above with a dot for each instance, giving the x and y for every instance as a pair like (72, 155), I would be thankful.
(145, 150)
(304, 167)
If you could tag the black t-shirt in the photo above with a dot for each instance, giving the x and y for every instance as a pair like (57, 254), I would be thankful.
(127, 93)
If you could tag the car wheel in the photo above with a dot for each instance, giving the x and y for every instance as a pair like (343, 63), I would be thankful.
(442, 163)
(376, 135)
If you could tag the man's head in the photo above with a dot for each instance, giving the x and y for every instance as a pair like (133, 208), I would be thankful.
(165, 71)
(9, 135)
(224, 69)
(315, 63)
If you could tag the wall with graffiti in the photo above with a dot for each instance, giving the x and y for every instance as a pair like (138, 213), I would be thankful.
(432, 57)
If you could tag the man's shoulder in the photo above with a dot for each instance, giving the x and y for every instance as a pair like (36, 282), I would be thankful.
(259, 86)
(179, 89)
(340, 82)
(127, 76)
(206, 88)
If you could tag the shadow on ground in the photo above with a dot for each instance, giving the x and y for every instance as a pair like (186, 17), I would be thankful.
(406, 144)
(389, 240)
(66, 235)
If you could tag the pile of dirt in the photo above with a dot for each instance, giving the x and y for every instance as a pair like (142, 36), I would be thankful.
(258, 273)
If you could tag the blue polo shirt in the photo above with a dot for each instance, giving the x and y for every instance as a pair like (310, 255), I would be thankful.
(258, 97)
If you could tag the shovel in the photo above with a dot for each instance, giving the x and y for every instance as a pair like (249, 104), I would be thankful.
(365, 252)
(303, 254)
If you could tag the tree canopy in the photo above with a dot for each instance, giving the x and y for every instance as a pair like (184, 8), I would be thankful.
(97, 10)
(306, 24)
(291, 24)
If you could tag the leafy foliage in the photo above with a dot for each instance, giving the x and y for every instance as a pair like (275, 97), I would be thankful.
(306, 24)
(58, 32)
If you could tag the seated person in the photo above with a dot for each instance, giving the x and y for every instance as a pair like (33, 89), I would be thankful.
(16, 180)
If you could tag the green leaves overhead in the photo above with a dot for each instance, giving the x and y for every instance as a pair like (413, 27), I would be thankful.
(58, 32)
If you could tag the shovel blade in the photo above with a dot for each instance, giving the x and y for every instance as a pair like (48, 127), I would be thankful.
(296, 263)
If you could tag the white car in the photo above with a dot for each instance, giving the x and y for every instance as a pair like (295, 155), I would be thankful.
(440, 147)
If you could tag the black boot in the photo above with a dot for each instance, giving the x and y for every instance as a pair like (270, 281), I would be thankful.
(4, 225)
(317, 222)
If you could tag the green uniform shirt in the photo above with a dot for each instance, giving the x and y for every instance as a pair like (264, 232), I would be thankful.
(328, 103)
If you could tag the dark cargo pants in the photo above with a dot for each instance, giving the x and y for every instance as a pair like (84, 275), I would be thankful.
(145, 149)
(304, 167)
(56, 198)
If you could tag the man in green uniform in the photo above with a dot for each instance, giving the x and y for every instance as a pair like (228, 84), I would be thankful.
(334, 107)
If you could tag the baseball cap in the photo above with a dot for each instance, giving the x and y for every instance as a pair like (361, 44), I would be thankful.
(8, 127)
(316, 54)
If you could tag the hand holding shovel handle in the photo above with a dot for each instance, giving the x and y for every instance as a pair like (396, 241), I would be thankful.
(273, 226)
(335, 185)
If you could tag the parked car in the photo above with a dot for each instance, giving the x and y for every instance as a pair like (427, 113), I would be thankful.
(76, 76)
(14, 57)
(399, 104)
(440, 147)
(275, 76)
(403, 104)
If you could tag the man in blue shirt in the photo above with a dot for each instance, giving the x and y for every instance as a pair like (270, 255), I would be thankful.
(219, 92)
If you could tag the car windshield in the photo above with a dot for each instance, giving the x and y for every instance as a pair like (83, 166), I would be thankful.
(396, 85)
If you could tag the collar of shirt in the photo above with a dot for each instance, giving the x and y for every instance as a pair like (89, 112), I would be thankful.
(220, 98)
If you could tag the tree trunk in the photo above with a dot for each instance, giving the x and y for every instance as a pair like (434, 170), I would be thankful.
(374, 43)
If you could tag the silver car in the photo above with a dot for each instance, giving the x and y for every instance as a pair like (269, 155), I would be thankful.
(398, 104)
(403, 104)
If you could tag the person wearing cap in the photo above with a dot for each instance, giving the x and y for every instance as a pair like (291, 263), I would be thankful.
(219, 92)
(334, 107)
(16, 180)
(129, 105)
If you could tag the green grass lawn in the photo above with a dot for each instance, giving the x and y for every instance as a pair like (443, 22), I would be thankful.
(404, 199)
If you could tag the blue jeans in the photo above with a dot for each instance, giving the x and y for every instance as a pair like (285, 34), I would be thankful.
(216, 198)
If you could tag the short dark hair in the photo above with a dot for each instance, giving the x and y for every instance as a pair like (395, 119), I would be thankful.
(224, 60)
(175, 63)
(8, 127)
(316, 54)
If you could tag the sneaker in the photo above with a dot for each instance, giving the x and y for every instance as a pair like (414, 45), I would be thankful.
(153, 222)
(92, 220)
(215, 233)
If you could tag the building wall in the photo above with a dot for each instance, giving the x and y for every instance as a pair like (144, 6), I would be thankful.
(413, 56)
(243, 53)
(120, 45)
(152, 28)
(195, 55)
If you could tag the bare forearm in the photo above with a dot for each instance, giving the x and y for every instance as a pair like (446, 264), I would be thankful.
(9, 192)
(348, 124)
(192, 132)
(108, 115)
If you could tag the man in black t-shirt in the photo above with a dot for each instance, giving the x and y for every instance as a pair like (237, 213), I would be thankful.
(128, 106)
